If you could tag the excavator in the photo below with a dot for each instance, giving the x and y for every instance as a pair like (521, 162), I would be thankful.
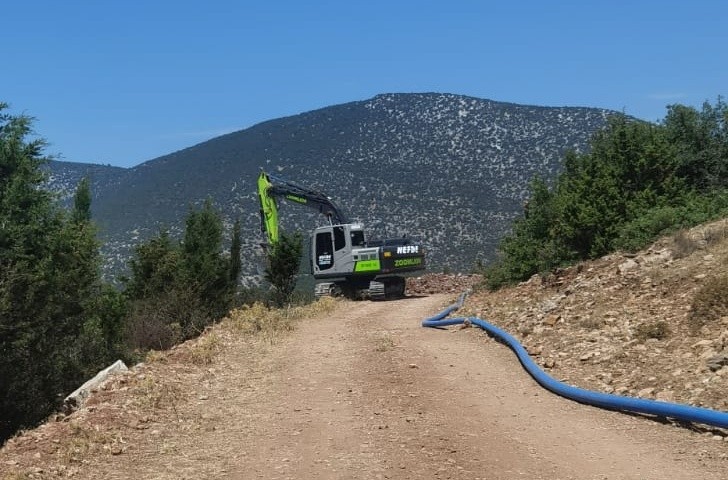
(344, 262)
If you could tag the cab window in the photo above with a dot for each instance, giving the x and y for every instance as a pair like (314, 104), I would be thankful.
(339, 238)
(357, 238)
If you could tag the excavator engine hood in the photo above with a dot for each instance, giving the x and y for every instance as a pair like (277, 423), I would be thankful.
(403, 258)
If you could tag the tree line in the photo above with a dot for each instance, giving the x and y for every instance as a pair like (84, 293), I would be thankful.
(61, 322)
(639, 180)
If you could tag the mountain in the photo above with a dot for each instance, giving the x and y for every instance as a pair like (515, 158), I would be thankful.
(63, 178)
(450, 170)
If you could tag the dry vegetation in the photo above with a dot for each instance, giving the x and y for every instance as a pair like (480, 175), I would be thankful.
(159, 395)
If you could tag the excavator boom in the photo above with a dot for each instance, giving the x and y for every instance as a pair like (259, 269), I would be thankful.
(268, 209)
(271, 187)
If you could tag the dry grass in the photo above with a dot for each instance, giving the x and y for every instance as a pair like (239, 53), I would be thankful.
(716, 233)
(686, 242)
(86, 440)
(14, 476)
(269, 324)
(383, 342)
(161, 389)
(591, 323)
(150, 392)
(206, 349)
(156, 356)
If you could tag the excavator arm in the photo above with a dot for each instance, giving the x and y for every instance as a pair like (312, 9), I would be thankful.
(271, 187)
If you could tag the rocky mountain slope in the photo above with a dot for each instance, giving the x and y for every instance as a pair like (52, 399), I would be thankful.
(448, 169)
(63, 178)
(651, 325)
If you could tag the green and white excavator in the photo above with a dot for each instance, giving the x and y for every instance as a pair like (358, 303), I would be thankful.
(343, 261)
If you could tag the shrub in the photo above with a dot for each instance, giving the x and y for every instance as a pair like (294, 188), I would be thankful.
(639, 232)
(710, 303)
(659, 330)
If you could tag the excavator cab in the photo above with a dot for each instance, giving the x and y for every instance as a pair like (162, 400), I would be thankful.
(332, 247)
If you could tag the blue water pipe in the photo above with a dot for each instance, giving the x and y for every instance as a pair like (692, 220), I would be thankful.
(604, 400)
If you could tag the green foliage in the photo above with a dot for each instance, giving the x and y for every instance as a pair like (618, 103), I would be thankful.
(205, 271)
(235, 251)
(176, 289)
(531, 247)
(638, 181)
(55, 327)
(154, 267)
(82, 202)
(701, 138)
(664, 219)
(630, 168)
(284, 262)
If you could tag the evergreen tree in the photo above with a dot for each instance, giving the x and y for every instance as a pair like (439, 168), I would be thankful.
(639, 180)
(154, 268)
(701, 140)
(630, 169)
(284, 262)
(205, 271)
(82, 202)
(235, 251)
(177, 289)
(152, 292)
(49, 280)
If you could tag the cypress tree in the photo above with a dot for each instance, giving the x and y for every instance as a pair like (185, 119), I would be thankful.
(49, 277)
(82, 202)
(235, 251)
(284, 262)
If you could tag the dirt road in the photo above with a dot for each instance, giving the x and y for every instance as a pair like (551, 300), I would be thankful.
(367, 393)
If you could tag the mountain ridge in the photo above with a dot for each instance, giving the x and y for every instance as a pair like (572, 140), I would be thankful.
(452, 170)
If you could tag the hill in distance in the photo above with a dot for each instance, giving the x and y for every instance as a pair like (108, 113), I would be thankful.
(450, 170)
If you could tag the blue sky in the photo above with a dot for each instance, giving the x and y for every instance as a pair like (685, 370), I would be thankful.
(123, 82)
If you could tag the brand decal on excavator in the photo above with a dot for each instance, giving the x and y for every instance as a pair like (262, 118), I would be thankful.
(296, 198)
(408, 249)
(407, 262)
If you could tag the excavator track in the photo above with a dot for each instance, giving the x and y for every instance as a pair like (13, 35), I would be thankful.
(388, 288)
(326, 289)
